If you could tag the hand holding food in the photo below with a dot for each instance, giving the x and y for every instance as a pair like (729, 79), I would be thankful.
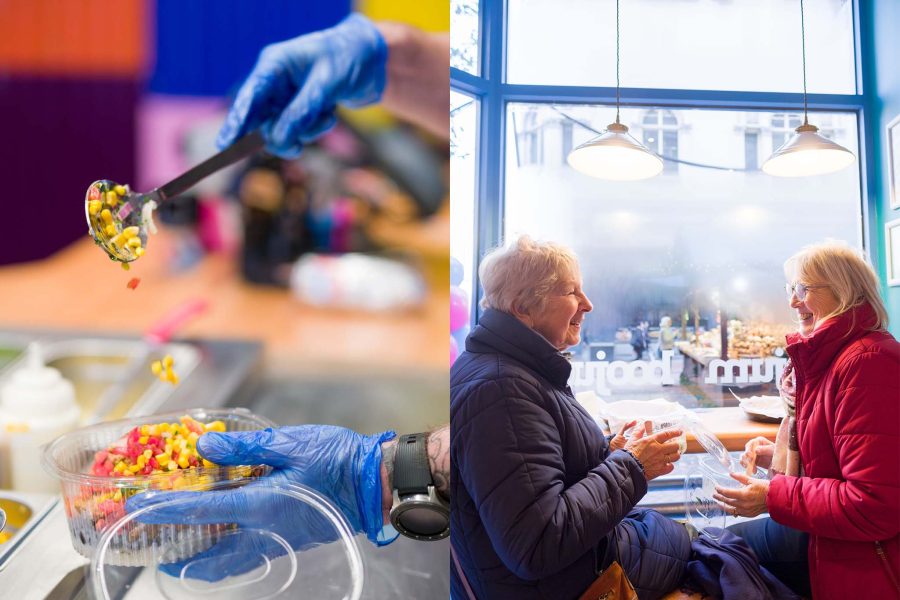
(343, 465)
(760, 450)
(656, 451)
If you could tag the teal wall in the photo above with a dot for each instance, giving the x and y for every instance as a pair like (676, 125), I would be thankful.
(880, 46)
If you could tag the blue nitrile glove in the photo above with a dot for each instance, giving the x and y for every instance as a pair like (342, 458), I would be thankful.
(295, 86)
(341, 464)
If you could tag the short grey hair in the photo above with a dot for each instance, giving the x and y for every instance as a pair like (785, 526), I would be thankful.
(519, 276)
(845, 271)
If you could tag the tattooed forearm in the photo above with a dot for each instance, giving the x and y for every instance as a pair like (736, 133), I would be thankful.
(438, 446)
(388, 450)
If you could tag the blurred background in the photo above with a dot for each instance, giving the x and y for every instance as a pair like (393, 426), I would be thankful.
(309, 291)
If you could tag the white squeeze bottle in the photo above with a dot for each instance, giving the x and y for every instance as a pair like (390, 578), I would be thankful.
(36, 405)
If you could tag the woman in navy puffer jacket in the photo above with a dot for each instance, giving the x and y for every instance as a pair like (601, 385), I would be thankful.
(541, 501)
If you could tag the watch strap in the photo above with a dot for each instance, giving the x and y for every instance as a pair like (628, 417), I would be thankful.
(412, 474)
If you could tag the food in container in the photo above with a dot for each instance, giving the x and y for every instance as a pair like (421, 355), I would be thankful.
(101, 466)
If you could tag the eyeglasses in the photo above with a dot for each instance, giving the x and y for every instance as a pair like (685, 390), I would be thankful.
(799, 290)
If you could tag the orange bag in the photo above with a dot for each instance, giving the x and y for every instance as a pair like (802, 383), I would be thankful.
(612, 584)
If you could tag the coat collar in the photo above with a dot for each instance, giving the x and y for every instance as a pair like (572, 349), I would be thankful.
(501, 332)
(812, 355)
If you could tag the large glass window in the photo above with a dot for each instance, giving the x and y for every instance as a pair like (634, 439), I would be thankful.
(669, 261)
(748, 45)
(464, 36)
(463, 140)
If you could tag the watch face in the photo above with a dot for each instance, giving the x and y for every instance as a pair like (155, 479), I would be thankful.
(424, 521)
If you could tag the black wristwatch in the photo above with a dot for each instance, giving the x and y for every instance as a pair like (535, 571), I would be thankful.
(418, 511)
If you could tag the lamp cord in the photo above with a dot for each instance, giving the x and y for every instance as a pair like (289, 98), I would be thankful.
(617, 60)
(803, 43)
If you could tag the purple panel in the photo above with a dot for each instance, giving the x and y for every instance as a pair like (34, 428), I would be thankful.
(56, 137)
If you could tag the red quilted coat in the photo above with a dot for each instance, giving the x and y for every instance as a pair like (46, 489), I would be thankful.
(848, 428)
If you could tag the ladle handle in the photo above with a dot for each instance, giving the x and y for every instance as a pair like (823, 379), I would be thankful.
(248, 145)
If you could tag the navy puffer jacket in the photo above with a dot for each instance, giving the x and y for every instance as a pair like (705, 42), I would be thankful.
(539, 504)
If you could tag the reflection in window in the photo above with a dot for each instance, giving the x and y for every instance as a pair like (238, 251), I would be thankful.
(668, 260)
(783, 126)
(530, 140)
(661, 136)
(751, 150)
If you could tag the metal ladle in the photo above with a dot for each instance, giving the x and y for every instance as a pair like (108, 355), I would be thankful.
(116, 215)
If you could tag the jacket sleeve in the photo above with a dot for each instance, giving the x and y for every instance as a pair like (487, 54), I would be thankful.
(865, 503)
(512, 466)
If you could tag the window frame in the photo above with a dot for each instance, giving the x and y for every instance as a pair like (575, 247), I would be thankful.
(495, 94)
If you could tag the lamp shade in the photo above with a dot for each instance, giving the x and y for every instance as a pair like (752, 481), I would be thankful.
(615, 155)
(807, 153)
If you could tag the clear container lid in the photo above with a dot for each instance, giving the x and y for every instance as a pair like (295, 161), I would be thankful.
(267, 539)
(711, 444)
(702, 510)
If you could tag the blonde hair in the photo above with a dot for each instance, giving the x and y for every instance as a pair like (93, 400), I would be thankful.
(519, 276)
(845, 271)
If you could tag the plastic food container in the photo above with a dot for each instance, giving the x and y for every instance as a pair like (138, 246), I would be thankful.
(295, 544)
(618, 413)
(94, 503)
(713, 469)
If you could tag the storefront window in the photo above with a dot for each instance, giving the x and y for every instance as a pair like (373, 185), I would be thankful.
(464, 36)
(463, 139)
(669, 260)
(687, 44)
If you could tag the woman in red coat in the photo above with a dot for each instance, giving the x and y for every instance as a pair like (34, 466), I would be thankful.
(835, 465)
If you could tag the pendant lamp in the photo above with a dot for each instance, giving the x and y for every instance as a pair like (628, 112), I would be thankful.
(806, 152)
(615, 154)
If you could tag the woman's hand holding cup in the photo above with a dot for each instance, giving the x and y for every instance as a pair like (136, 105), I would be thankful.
(656, 451)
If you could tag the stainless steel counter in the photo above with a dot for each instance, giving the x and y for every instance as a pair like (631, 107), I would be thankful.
(228, 372)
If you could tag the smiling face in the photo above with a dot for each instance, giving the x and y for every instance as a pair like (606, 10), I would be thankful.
(560, 319)
(818, 303)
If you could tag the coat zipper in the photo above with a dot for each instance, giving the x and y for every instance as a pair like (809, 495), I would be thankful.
(887, 565)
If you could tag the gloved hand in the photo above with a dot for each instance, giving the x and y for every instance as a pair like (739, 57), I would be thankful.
(341, 464)
(292, 92)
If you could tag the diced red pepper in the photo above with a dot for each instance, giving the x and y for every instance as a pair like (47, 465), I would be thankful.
(133, 283)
